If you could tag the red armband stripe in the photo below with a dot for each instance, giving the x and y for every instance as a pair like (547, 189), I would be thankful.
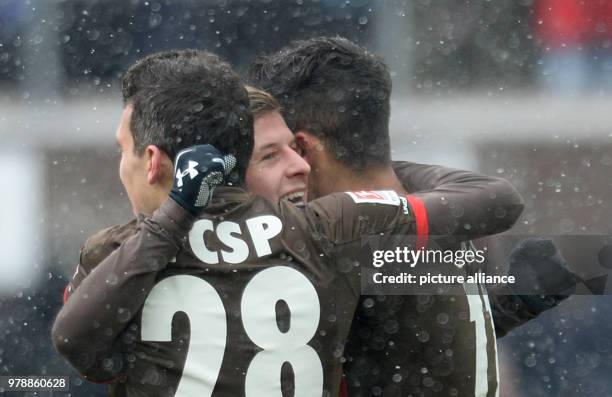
(422, 223)
(66, 293)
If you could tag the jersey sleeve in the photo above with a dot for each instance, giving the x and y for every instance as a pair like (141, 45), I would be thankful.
(455, 199)
(87, 328)
(461, 202)
(79, 274)
(349, 216)
(96, 249)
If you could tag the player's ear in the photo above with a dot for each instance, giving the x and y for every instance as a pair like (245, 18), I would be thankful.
(158, 165)
(306, 142)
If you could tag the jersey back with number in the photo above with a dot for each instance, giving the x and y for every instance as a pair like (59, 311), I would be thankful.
(258, 303)
(423, 345)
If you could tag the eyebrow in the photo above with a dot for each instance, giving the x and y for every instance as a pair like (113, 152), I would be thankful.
(267, 146)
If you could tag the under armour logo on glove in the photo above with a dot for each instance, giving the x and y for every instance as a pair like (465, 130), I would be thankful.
(191, 171)
(206, 168)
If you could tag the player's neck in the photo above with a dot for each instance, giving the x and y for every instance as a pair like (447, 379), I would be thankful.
(159, 194)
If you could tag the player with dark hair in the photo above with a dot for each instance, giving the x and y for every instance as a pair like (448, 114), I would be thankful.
(240, 300)
(164, 110)
(337, 94)
(206, 101)
(336, 97)
(98, 361)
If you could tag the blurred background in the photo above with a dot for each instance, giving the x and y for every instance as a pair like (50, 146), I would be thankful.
(520, 89)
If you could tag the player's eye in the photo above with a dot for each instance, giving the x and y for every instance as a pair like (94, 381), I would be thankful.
(269, 156)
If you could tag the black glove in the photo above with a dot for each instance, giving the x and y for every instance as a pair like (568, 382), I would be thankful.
(197, 171)
(542, 277)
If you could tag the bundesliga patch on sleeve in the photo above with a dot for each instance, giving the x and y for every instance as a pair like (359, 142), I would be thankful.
(376, 197)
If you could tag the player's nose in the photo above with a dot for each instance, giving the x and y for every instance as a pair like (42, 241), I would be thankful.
(297, 165)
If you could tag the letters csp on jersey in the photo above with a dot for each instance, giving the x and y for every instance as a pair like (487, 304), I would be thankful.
(261, 230)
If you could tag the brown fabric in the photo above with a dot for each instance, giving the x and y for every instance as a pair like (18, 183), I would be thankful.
(395, 338)
(97, 248)
(461, 202)
(99, 330)
(426, 345)
(489, 205)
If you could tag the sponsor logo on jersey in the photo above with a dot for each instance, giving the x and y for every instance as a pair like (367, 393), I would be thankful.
(375, 196)
(259, 231)
(405, 207)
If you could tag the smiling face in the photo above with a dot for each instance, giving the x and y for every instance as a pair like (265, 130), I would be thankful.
(276, 171)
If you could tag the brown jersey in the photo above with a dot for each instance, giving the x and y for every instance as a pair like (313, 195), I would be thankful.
(402, 344)
(252, 299)
(437, 345)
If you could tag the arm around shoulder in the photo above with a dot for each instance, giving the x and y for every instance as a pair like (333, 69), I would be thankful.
(461, 202)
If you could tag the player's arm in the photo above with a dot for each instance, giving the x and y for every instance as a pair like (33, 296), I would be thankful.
(349, 216)
(461, 202)
(87, 330)
(97, 248)
(495, 207)
(79, 275)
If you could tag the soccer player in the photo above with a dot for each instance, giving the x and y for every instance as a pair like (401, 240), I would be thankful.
(268, 175)
(246, 299)
(259, 177)
(275, 171)
(336, 101)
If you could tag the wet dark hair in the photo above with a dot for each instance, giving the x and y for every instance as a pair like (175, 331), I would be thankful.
(186, 97)
(335, 90)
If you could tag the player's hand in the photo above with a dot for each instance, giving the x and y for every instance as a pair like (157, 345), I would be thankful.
(543, 278)
(197, 171)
